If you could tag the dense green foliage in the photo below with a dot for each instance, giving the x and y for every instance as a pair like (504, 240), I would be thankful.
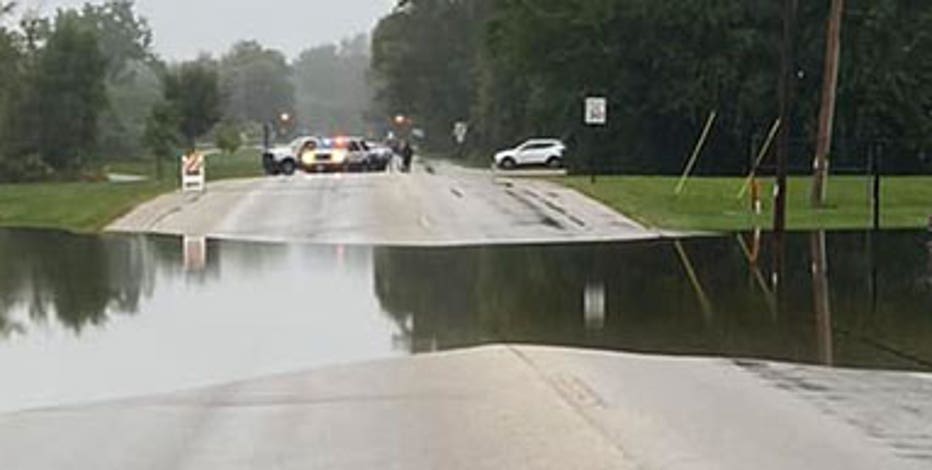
(192, 89)
(424, 63)
(332, 94)
(69, 94)
(518, 68)
(227, 138)
(83, 86)
(256, 82)
(133, 86)
(162, 134)
(70, 89)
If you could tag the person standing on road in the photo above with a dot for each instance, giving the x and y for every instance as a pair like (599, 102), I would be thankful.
(407, 154)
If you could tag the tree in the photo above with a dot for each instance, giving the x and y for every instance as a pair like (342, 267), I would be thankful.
(257, 83)
(129, 102)
(69, 93)
(227, 137)
(124, 37)
(423, 63)
(125, 40)
(192, 89)
(10, 77)
(519, 67)
(162, 134)
(332, 93)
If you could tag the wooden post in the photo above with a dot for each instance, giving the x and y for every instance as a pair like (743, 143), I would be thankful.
(827, 114)
(695, 156)
(875, 154)
(760, 157)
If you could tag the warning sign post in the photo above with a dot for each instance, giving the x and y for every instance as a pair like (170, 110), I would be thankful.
(595, 118)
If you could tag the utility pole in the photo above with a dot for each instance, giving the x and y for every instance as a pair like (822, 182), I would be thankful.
(787, 80)
(786, 90)
(827, 114)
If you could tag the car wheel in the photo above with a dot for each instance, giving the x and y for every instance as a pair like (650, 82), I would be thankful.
(555, 162)
(288, 167)
(509, 164)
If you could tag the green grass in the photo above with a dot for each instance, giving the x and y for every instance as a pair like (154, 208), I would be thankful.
(89, 207)
(469, 159)
(76, 207)
(711, 204)
(245, 163)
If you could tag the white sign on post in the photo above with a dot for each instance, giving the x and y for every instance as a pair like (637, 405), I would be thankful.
(596, 111)
(460, 129)
(193, 173)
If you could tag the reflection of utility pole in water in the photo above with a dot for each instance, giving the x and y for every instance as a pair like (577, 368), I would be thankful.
(820, 297)
(704, 302)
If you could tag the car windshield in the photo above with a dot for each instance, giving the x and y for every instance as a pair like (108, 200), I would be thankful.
(465, 234)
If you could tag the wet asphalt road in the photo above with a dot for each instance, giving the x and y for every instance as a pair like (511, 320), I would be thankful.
(439, 204)
(500, 407)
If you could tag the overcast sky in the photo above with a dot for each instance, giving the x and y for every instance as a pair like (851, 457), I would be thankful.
(183, 28)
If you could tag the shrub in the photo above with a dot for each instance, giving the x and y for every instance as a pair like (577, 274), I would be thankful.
(26, 169)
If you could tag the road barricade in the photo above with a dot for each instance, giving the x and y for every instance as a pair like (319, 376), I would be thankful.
(193, 172)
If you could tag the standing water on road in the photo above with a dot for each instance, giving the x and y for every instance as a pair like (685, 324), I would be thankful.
(94, 318)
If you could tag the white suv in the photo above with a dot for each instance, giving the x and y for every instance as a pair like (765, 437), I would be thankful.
(547, 152)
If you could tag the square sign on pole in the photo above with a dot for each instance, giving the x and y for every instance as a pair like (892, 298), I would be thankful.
(596, 111)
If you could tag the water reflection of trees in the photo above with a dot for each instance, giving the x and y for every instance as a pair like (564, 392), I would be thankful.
(468, 296)
(83, 281)
(78, 280)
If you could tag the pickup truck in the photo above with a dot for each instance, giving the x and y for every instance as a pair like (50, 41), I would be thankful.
(284, 160)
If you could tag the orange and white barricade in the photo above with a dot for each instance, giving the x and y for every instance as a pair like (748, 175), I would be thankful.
(193, 172)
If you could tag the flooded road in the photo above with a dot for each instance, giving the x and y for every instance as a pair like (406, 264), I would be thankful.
(96, 318)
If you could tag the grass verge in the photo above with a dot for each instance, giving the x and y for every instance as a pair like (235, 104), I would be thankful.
(244, 163)
(711, 204)
(76, 207)
(89, 207)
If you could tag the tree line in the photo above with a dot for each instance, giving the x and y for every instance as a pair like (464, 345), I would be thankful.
(83, 86)
(520, 68)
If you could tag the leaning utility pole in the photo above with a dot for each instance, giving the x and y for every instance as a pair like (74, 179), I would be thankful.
(827, 114)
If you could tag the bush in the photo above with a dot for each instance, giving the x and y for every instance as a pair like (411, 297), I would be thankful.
(25, 169)
(228, 138)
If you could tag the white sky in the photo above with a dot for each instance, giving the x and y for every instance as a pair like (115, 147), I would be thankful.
(184, 28)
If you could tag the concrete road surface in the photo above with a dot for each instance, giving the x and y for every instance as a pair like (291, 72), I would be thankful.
(438, 204)
(501, 407)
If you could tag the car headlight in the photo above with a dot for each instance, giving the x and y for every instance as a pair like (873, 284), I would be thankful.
(307, 158)
(339, 156)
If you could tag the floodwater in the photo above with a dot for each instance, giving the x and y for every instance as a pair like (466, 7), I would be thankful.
(94, 318)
